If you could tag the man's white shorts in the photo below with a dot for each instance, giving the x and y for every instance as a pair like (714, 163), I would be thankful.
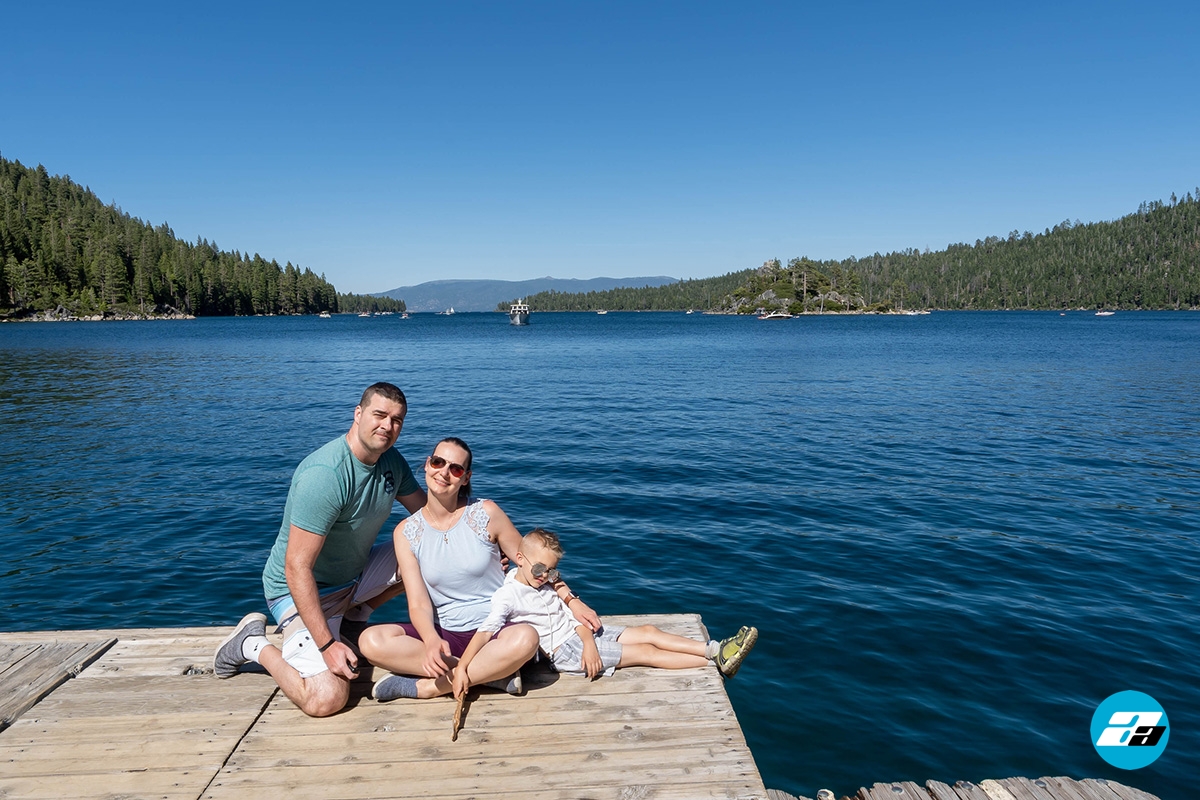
(299, 649)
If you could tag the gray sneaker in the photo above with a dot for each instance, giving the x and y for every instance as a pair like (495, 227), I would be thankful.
(228, 659)
(512, 684)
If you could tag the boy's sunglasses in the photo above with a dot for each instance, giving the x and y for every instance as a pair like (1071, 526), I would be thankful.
(539, 570)
(457, 470)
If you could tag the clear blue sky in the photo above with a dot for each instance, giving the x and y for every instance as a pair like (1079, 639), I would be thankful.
(395, 143)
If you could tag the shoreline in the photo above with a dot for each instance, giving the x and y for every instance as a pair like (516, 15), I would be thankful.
(109, 316)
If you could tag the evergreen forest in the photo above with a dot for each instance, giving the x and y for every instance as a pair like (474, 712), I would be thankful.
(1149, 259)
(703, 293)
(62, 249)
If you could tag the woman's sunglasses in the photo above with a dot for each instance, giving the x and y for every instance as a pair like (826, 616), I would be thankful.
(457, 470)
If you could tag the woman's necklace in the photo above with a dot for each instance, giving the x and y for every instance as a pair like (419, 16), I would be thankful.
(453, 519)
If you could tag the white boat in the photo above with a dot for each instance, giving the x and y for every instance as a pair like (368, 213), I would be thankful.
(518, 313)
(448, 312)
(775, 315)
(325, 315)
(1105, 313)
(602, 313)
(404, 315)
(366, 314)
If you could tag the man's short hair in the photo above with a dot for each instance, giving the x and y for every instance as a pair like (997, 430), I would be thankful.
(547, 539)
(388, 390)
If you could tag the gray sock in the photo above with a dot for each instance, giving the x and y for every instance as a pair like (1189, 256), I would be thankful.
(394, 686)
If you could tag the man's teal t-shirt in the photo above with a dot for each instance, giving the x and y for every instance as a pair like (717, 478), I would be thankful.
(346, 501)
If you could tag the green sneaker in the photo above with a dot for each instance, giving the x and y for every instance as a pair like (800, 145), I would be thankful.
(733, 650)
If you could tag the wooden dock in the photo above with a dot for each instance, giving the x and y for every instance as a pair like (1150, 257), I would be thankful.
(138, 714)
(147, 719)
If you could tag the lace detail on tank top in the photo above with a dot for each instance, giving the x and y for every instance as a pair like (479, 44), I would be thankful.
(477, 520)
(413, 528)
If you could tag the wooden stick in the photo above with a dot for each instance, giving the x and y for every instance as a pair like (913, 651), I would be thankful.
(458, 717)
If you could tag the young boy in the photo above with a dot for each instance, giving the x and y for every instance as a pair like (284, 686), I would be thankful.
(528, 596)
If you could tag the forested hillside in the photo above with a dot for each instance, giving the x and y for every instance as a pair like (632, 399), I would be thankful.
(1149, 259)
(701, 293)
(61, 247)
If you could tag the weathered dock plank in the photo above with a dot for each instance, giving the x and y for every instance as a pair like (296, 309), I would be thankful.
(31, 670)
(1018, 788)
(1111, 790)
(134, 724)
(965, 790)
(901, 790)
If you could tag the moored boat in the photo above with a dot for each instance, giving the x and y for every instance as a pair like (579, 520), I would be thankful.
(775, 315)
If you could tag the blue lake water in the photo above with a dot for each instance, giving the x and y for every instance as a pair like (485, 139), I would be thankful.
(957, 533)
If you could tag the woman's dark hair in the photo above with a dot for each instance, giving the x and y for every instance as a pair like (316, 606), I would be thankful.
(464, 491)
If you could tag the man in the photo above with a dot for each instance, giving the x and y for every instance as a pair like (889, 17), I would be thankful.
(323, 568)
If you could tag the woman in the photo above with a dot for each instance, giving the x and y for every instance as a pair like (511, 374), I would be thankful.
(448, 554)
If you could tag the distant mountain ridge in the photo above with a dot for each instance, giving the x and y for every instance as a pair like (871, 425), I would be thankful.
(484, 295)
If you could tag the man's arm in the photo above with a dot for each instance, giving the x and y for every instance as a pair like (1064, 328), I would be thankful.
(413, 502)
(301, 556)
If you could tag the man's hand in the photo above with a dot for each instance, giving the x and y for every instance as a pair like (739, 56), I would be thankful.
(584, 614)
(341, 661)
(437, 654)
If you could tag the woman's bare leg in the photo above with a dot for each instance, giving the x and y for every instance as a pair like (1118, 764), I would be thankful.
(389, 647)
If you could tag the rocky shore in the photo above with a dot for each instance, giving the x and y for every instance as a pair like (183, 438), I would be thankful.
(63, 314)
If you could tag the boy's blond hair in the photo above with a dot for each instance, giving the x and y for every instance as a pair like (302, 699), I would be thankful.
(547, 539)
